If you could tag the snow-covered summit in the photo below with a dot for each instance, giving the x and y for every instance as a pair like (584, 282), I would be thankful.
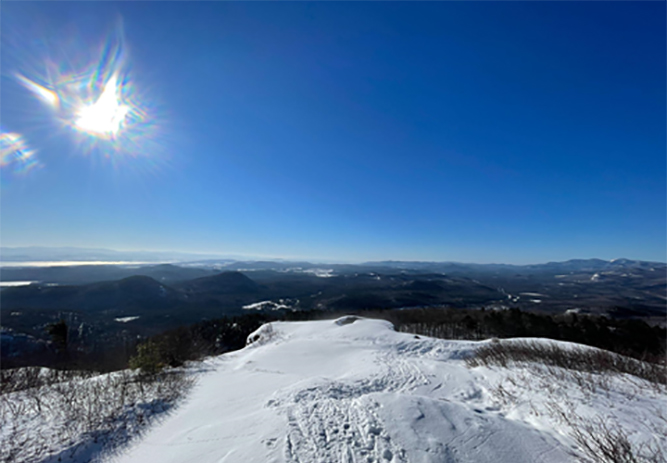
(354, 390)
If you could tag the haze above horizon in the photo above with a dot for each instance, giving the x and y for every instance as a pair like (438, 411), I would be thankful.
(37, 256)
(511, 132)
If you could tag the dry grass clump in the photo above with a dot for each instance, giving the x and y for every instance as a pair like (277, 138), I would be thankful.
(553, 368)
(588, 360)
(607, 442)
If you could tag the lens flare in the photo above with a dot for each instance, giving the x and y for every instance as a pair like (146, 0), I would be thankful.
(15, 155)
(47, 96)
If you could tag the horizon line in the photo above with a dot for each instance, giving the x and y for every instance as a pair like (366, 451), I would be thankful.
(271, 258)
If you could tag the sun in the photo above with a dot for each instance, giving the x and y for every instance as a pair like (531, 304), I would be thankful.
(105, 117)
(94, 97)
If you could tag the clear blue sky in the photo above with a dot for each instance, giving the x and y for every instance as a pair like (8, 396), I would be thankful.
(513, 132)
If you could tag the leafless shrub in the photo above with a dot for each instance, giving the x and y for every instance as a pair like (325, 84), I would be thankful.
(588, 360)
(605, 441)
(550, 366)
(59, 414)
(19, 379)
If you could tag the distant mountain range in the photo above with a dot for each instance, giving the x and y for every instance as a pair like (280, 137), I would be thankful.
(17, 255)
(109, 303)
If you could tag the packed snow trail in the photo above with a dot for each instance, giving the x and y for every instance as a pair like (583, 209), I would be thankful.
(351, 390)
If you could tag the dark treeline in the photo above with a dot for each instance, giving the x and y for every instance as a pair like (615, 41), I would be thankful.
(188, 342)
(629, 337)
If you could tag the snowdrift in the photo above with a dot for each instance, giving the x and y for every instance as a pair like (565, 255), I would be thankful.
(354, 390)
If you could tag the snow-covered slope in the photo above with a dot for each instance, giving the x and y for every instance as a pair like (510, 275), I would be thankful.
(354, 390)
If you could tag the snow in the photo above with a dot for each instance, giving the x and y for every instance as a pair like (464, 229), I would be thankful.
(126, 319)
(354, 390)
(321, 272)
(345, 390)
(271, 305)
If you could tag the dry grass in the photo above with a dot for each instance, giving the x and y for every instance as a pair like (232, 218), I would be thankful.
(583, 359)
(551, 367)
(605, 441)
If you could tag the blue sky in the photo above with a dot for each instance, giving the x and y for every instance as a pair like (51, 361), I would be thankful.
(512, 132)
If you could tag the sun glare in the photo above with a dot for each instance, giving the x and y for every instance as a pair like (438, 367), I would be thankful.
(105, 117)
(92, 95)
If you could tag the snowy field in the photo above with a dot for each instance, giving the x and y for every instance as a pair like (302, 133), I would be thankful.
(350, 390)
(359, 392)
